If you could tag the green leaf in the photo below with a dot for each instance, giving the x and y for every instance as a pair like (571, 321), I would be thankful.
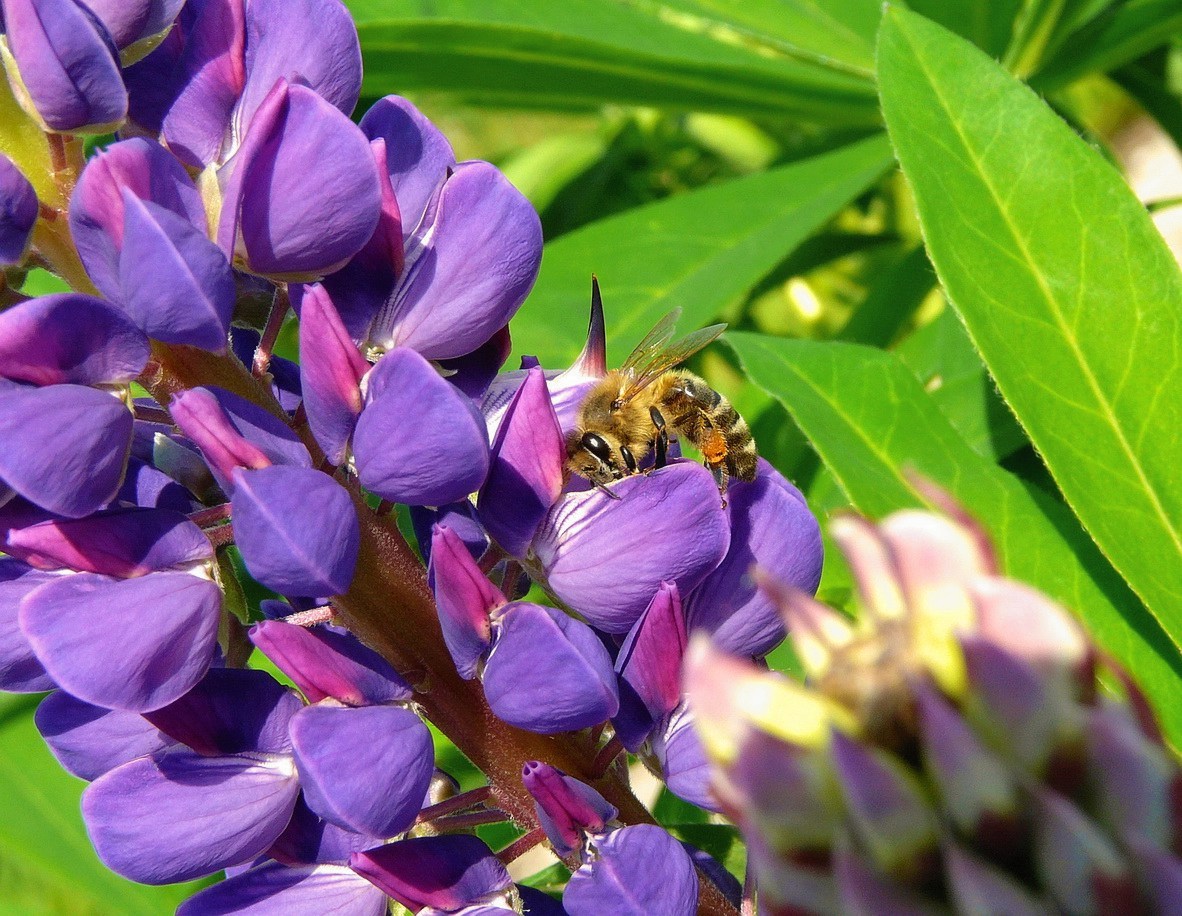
(699, 251)
(1066, 287)
(585, 53)
(722, 841)
(1121, 34)
(897, 292)
(989, 24)
(872, 424)
(47, 864)
(839, 30)
(1159, 102)
(943, 359)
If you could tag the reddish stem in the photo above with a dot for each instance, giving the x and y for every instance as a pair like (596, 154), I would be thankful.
(470, 820)
(461, 802)
(153, 414)
(521, 846)
(206, 517)
(312, 617)
(607, 756)
(262, 353)
(221, 536)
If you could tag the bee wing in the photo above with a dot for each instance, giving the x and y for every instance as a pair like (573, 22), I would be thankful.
(661, 360)
(654, 342)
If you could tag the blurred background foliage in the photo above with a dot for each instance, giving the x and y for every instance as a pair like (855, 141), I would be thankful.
(727, 158)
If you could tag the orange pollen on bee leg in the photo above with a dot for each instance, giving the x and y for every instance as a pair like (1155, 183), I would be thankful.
(714, 447)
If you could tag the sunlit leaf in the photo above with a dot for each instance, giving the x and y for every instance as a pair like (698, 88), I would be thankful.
(1067, 289)
(873, 425)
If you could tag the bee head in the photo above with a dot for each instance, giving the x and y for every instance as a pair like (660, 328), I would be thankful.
(594, 459)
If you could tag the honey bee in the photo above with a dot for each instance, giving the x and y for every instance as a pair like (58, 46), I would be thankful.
(636, 408)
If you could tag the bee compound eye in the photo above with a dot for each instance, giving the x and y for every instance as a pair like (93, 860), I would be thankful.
(597, 446)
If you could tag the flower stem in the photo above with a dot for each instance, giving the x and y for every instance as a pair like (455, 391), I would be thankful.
(461, 802)
(280, 306)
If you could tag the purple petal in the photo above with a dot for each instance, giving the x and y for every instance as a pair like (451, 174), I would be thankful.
(313, 42)
(412, 417)
(978, 887)
(639, 870)
(1161, 874)
(199, 415)
(274, 218)
(467, 270)
(361, 287)
(182, 816)
(447, 872)
(607, 557)
(88, 740)
(464, 597)
(458, 517)
(575, 689)
(297, 530)
(69, 72)
(88, 433)
(331, 369)
(526, 473)
(149, 488)
(20, 672)
(162, 628)
(885, 803)
(188, 296)
(97, 219)
(231, 711)
(473, 372)
(366, 769)
(308, 839)
(566, 807)
(271, 888)
(330, 663)
(122, 542)
(72, 338)
(18, 213)
(864, 892)
(212, 76)
(771, 527)
(683, 760)
(154, 81)
(1080, 866)
(418, 156)
(650, 657)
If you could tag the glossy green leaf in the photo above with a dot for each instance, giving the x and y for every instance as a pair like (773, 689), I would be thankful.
(1122, 33)
(1066, 287)
(585, 53)
(47, 864)
(873, 424)
(699, 251)
(891, 301)
(836, 30)
(950, 370)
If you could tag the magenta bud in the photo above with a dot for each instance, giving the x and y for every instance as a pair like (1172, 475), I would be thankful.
(200, 417)
(566, 808)
(465, 598)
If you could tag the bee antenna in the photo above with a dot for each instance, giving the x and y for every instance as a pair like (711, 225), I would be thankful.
(593, 359)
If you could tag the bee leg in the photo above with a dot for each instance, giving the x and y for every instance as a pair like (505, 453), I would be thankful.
(602, 488)
(662, 440)
(720, 478)
(629, 459)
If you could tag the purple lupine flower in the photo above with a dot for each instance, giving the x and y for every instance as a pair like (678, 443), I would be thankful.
(135, 205)
(20, 671)
(130, 22)
(63, 65)
(359, 727)
(220, 799)
(297, 528)
(633, 870)
(52, 351)
(18, 213)
(502, 640)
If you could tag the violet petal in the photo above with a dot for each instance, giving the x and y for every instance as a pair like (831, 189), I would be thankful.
(86, 431)
(447, 872)
(69, 72)
(188, 295)
(638, 871)
(566, 807)
(526, 472)
(412, 416)
(183, 816)
(20, 672)
(331, 369)
(468, 271)
(18, 213)
(71, 338)
(771, 527)
(231, 711)
(365, 769)
(120, 542)
(684, 764)
(162, 628)
(575, 689)
(271, 888)
(327, 662)
(606, 557)
(464, 597)
(89, 740)
(297, 530)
